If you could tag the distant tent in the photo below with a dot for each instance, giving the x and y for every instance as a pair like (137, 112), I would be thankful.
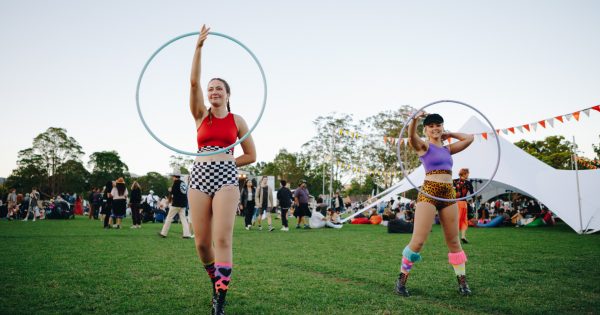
(522, 173)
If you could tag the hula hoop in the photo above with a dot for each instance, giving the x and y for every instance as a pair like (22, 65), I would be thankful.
(401, 162)
(137, 95)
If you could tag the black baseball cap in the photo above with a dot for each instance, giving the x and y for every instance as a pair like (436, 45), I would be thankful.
(433, 119)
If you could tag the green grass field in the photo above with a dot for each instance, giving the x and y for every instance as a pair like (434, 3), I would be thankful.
(76, 267)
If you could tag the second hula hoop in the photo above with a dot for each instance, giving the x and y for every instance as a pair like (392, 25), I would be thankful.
(402, 163)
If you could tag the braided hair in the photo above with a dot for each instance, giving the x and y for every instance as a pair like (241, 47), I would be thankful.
(227, 90)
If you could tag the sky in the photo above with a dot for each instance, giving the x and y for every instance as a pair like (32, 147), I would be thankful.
(75, 65)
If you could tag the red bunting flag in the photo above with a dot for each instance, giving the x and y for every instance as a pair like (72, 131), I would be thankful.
(526, 127)
(498, 131)
(512, 129)
(542, 123)
(559, 118)
(597, 107)
(576, 115)
(484, 135)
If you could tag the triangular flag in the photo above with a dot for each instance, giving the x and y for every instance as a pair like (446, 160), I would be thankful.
(597, 107)
(551, 122)
(559, 118)
(568, 116)
(484, 135)
(498, 131)
(512, 129)
(520, 128)
(542, 123)
(504, 131)
(526, 127)
(587, 112)
(534, 126)
(341, 132)
(576, 115)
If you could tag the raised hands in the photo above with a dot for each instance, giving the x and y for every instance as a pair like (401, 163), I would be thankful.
(203, 35)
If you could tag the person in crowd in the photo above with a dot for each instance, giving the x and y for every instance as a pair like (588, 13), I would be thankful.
(437, 161)
(90, 199)
(178, 205)
(284, 199)
(107, 200)
(135, 202)
(247, 203)
(301, 197)
(264, 201)
(11, 201)
(78, 209)
(34, 196)
(214, 195)
(338, 202)
(119, 195)
(463, 188)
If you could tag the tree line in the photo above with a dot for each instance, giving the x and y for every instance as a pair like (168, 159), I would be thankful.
(53, 162)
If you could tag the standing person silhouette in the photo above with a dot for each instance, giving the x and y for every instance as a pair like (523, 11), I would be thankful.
(437, 161)
(214, 195)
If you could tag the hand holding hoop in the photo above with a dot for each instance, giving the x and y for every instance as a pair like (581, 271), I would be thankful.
(416, 115)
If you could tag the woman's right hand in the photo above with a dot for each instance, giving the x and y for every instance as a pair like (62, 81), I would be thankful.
(203, 35)
(420, 115)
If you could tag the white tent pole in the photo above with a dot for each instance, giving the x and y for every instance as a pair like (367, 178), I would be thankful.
(577, 180)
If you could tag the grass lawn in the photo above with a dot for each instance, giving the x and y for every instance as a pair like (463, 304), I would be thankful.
(76, 267)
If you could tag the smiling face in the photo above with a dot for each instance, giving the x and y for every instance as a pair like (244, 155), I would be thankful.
(434, 131)
(218, 94)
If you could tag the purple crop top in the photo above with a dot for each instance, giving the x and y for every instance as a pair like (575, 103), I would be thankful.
(436, 158)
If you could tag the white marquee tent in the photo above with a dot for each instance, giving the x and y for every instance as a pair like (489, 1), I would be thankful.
(557, 189)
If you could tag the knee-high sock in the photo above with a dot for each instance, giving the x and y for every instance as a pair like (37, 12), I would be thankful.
(222, 276)
(457, 260)
(409, 257)
(210, 270)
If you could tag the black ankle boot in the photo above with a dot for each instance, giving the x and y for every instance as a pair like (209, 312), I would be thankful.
(463, 286)
(214, 296)
(219, 303)
(401, 285)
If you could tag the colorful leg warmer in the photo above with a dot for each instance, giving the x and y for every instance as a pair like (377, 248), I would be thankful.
(210, 269)
(457, 260)
(223, 276)
(408, 259)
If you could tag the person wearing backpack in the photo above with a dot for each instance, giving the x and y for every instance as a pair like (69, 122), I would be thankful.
(178, 205)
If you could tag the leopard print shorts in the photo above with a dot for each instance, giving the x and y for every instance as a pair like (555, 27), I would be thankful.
(437, 189)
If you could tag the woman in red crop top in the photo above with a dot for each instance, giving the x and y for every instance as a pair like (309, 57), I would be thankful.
(437, 161)
(214, 195)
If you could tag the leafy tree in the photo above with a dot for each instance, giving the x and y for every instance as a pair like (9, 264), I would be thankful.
(106, 165)
(29, 173)
(380, 153)
(181, 163)
(73, 177)
(554, 151)
(156, 182)
(50, 150)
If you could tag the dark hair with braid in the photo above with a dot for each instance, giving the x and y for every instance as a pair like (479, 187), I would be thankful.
(228, 90)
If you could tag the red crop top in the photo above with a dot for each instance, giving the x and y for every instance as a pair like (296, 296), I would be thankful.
(222, 132)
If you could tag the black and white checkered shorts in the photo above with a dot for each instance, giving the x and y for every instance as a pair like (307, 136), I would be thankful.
(209, 177)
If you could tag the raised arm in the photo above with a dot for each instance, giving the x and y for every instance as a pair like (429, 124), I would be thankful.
(413, 139)
(197, 106)
(249, 155)
(464, 140)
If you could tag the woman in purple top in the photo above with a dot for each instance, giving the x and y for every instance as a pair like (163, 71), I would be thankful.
(437, 161)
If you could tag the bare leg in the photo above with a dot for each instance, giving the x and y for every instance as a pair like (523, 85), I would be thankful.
(225, 203)
(201, 210)
(449, 221)
(424, 215)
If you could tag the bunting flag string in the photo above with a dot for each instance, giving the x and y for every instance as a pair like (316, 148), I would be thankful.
(530, 127)
(590, 164)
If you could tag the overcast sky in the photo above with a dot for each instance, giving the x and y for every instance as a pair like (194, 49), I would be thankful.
(75, 65)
